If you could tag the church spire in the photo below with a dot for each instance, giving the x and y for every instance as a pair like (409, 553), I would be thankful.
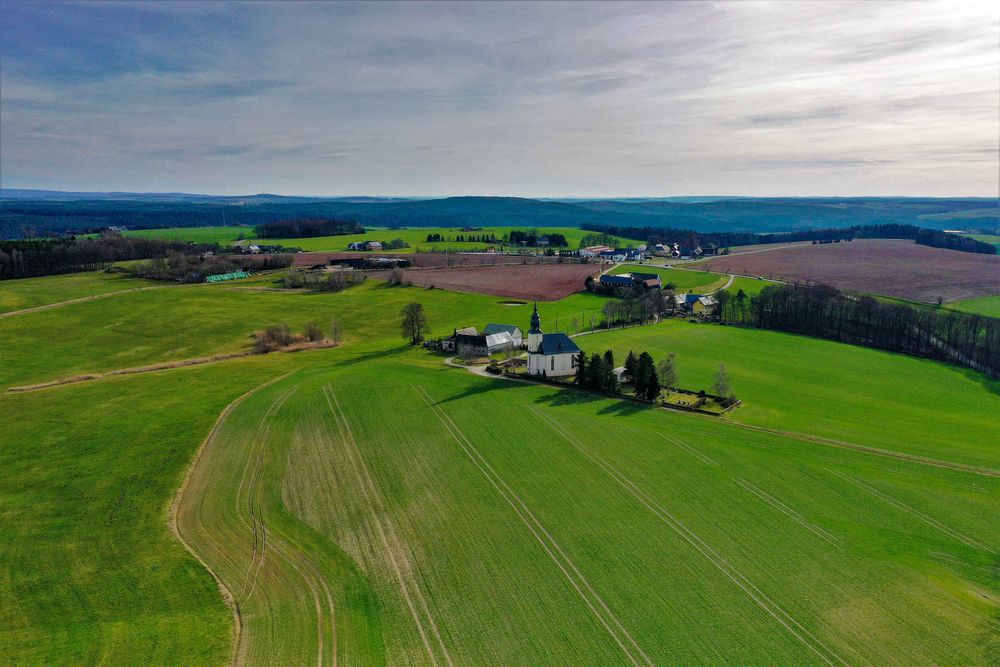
(536, 321)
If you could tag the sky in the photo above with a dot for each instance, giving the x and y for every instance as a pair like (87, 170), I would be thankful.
(533, 100)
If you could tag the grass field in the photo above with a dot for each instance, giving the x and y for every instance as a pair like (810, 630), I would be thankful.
(21, 294)
(416, 237)
(391, 494)
(374, 505)
(987, 305)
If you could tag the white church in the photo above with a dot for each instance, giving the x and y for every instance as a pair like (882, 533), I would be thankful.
(552, 355)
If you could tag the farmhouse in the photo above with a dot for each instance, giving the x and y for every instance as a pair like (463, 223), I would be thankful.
(512, 329)
(552, 355)
(695, 303)
(448, 344)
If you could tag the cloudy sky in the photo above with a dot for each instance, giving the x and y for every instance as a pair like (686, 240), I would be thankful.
(553, 99)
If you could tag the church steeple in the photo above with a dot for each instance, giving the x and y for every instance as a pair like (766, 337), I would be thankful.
(536, 322)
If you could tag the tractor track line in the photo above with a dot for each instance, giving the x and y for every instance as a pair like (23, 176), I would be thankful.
(174, 508)
(312, 579)
(704, 458)
(524, 513)
(788, 511)
(257, 447)
(951, 532)
(799, 631)
(371, 494)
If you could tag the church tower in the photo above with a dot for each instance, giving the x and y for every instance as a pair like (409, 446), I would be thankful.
(535, 332)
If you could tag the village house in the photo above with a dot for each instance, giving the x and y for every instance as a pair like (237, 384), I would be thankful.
(694, 303)
(594, 250)
(364, 245)
(551, 355)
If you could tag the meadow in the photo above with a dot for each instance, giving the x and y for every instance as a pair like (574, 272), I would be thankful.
(21, 294)
(987, 305)
(416, 237)
(368, 503)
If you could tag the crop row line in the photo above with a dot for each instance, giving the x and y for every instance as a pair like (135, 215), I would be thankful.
(551, 547)
(390, 539)
(772, 608)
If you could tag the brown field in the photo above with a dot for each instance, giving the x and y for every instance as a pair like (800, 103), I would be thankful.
(894, 268)
(423, 259)
(544, 282)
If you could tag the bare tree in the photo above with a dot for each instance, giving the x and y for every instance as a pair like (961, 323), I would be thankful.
(721, 386)
(312, 331)
(414, 324)
(668, 372)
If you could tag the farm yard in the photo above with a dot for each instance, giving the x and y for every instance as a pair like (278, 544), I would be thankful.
(356, 501)
(891, 267)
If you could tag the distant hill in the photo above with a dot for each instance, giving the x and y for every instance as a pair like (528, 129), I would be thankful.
(39, 212)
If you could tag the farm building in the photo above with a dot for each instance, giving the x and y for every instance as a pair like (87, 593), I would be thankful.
(553, 355)
(483, 345)
(448, 344)
(649, 280)
(364, 245)
(695, 303)
(594, 250)
(512, 329)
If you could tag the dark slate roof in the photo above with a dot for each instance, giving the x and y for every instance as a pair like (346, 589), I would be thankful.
(557, 343)
(492, 328)
(691, 298)
(607, 279)
(645, 276)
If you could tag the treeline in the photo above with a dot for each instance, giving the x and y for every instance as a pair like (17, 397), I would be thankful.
(27, 259)
(531, 237)
(190, 267)
(691, 238)
(307, 228)
(969, 340)
(336, 281)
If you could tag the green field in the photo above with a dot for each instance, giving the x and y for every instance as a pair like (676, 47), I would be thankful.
(987, 305)
(374, 505)
(416, 237)
(21, 294)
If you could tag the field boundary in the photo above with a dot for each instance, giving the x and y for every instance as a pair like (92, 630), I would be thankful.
(172, 510)
(82, 299)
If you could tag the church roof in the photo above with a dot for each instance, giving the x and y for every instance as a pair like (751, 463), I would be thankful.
(557, 343)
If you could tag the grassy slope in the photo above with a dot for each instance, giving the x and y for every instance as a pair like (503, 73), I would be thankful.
(987, 305)
(416, 237)
(172, 324)
(20, 294)
(412, 464)
(837, 570)
(837, 391)
(89, 572)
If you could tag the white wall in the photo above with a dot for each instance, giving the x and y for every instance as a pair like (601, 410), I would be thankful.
(563, 364)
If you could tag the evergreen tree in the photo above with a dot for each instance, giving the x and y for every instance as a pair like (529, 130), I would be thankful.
(581, 369)
(630, 365)
(609, 359)
(652, 384)
(595, 372)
